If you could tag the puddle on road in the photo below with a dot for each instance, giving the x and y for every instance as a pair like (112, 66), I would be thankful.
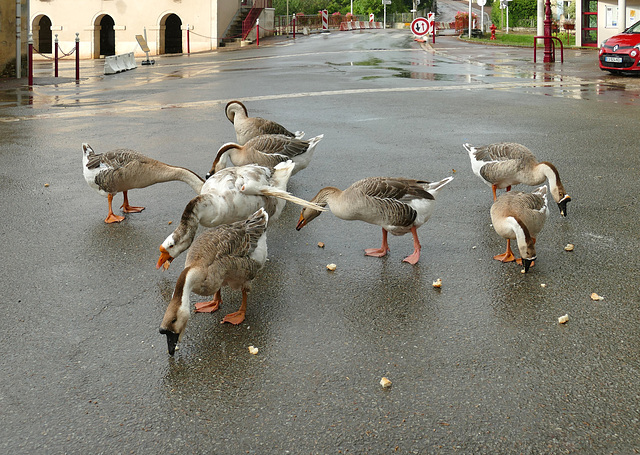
(16, 97)
(613, 93)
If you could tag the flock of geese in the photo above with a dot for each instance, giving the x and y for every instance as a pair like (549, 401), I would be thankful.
(246, 189)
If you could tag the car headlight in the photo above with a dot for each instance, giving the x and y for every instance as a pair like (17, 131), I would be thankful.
(603, 43)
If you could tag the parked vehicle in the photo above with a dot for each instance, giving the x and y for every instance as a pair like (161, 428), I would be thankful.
(621, 52)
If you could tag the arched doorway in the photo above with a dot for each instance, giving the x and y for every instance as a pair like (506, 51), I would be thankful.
(44, 43)
(107, 36)
(173, 34)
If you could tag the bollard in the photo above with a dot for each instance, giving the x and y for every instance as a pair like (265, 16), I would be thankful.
(257, 32)
(77, 57)
(188, 41)
(294, 26)
(30, 57)
(55, 58)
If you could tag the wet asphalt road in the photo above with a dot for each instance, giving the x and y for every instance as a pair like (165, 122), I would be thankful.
(480, 366)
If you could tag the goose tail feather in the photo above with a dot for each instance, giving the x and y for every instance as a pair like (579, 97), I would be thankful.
(280, 194)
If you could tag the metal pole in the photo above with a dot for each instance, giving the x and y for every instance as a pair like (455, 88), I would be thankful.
(77, 57)
(294, 26)
(507, 18)
(30, 60)
(548, 54)
(257, 32)
(188, 41)
(384, 23)
(469, 19)
(55, 59)
(18, 39)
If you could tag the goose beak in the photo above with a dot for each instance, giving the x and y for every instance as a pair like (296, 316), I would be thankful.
(562, 205)
(165, 259)
(301, 223)
(172, 340)
(527, 263)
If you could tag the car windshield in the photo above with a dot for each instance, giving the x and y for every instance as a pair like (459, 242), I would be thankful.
(635, 28)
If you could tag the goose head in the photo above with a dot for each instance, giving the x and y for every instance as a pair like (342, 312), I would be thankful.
(527, 252)
(562, 205)
(560, 196)
(172, 247)
(306, 216)
(555, 184)
(222, 159)
(232, 107)
(174, 322)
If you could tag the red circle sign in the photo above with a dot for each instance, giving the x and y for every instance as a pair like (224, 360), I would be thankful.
(420, 26)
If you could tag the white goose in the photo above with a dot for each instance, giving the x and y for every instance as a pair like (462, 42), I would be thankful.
(228, 255)
(266, 150)
(228, 196)
(520, 216)
(248, 127)
(398, 205)
(505, 164)
(123, 170)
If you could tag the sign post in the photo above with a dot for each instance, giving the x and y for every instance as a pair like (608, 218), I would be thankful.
(431, 19)
(385, 3)
(481, 3)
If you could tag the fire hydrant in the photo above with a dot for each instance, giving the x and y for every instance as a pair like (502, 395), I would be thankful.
(493, 31)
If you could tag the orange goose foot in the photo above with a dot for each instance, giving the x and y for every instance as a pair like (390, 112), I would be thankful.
(379, 252)
(507, 256)
(211, 305)
(126, 208)
(112, 217)
(376, 252)
(415, 256)
(237, 317)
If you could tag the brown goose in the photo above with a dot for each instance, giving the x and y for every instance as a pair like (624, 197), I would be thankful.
(397, 205)
(248, 127)
(520, 216)
(228, 255)
(266, 150)
(123, 170)
(505, 164)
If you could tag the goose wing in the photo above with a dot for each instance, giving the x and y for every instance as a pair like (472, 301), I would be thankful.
(287, 147)
(264, 126)
(237, 239)
(389, 198)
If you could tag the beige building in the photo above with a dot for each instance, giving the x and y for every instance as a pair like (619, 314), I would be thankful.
(12, 19)
(108, 27)
(598, 20)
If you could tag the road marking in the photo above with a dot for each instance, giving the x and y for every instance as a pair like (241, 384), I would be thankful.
(578, 84)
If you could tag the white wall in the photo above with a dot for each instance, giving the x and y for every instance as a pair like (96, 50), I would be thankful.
(206, 19)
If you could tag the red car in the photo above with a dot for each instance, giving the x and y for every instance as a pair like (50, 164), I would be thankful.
(621, 52)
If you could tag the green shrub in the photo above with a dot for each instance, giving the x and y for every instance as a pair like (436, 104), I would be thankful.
(521, 13)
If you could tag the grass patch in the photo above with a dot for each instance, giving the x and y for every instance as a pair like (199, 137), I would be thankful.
(518, 39)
